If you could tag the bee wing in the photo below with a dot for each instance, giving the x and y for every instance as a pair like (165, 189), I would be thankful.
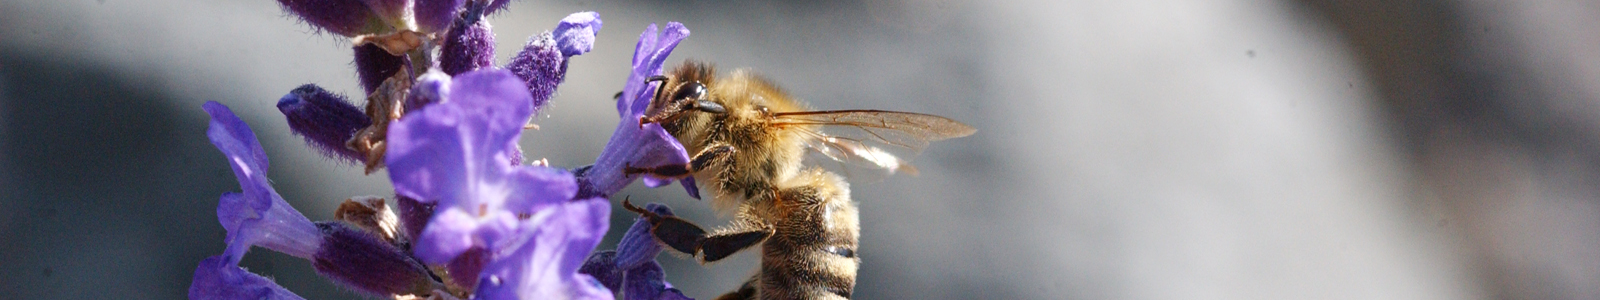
(873, 139)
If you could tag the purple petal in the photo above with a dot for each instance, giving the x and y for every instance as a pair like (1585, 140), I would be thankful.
(427, 156)
(638, 245)
(575, 34)
(436, 15)
(258, 216)
(602, 265)
(648, 282)
(278, 227)
(343, 17)
(536, 187)
(443, 152)
(234, 138)
(632, 146)
(468, 45)
(688, 186)
(218, 278)
(448, 235)
(648, 57)
(325, 119)
(374, 65)
(364, 262)
(546, 267)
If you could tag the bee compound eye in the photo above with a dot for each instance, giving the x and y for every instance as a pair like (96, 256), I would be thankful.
(689, 91)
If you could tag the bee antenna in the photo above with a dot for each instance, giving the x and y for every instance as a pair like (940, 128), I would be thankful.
(657, 78)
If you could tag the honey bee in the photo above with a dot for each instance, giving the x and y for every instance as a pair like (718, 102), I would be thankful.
(749, 139)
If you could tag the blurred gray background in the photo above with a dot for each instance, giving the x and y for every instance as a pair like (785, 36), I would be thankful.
(1206, 149)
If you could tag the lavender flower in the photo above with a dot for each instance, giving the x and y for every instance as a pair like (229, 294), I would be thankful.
(260, 217)
(495, 228)
(517, 222)
(631, 144)
(632, 267)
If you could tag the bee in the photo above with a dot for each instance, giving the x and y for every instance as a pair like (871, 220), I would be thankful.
(749, 139)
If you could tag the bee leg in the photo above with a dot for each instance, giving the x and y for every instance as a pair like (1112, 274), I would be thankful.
(704, 159)
(701, 161)
(666, 171)
(720, 246)
(677, 233)
(746, 291)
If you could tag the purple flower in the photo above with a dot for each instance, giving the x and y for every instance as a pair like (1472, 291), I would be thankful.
(325, 119)
(542, 63)
(455, 153)
(511, 228)
(343, 17)
(260, 217)
(220, 277)
(632, 145)
(553, 246)
(632, 267)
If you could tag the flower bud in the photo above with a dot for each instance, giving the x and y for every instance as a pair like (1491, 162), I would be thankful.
(469, 45)
(541, 67)
(324, 119)
(436, 15)
(343, 17)
(363, 261)
(575, 34)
